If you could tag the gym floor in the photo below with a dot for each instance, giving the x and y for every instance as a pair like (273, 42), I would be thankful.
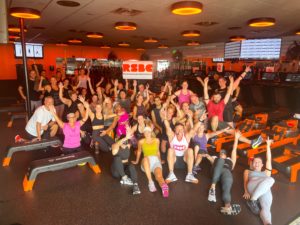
(80, 197)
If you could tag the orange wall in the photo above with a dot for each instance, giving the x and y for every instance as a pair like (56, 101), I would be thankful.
(51, 52)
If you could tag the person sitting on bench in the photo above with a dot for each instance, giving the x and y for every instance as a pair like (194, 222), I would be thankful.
(257, 186)
(71, 129)
(41, 123)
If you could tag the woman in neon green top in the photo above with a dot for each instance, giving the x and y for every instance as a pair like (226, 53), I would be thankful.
(151, 161)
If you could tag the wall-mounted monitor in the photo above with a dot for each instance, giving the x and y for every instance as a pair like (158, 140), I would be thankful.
(261, 48)
(216, 60)
(232, 50)
(33, 50)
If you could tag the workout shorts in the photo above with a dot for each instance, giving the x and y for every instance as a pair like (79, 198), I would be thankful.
(154, 163)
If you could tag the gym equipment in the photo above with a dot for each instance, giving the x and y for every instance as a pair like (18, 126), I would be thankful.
(17, 115)
(29, 146)
(288, 163)
(249, 128)
(57, 163)
(285, 132)
(12, 108)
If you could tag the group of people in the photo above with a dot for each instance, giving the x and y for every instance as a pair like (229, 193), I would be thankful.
(172, 127)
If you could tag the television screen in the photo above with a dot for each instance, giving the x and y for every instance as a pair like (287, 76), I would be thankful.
(232, 50)
(32, 50)
(218, 60)
(261, 48)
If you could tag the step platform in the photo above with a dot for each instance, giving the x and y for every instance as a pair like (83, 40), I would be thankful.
(57, 163)
(29, 146)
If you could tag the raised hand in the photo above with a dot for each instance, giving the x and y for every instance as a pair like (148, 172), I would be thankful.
(134, 83)
(237, 134)
(60, 85)
(248, 69)
(203, 116)
(269, 141)
(81, 99)
(206, 79)
(231, 79)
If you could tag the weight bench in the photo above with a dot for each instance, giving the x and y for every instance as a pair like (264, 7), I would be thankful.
(289, 162)
(57, 163)
(29, 146)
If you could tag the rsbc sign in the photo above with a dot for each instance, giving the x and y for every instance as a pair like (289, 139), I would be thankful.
(137, 69)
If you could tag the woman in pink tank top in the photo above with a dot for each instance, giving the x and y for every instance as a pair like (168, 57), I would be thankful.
(184, 94)
(71, 129)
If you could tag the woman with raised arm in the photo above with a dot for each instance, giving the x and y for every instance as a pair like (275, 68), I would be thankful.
(258, 184)
(70, 103)
(141, 105)
(184, 94)
(123, 99)
(71, 130)
(121, 166)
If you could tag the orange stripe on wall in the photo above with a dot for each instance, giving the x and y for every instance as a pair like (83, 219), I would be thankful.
(51, 52)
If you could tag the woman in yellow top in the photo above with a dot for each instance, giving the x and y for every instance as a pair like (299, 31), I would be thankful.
(151, 161)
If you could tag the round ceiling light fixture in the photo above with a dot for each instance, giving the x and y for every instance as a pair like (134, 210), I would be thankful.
(123, 44)
(190, 33)
(193, 43)
(15, 29)
(185, 8)
(68, 3)
(105, 46)
(125, 26)
(297, 32)
(237, 38)
(163, 46)
(261, 22)
(25, 13)
(75, 41)
(94, 35)
(61, 44)
(150, 40)
(13, 36)
(140, 49)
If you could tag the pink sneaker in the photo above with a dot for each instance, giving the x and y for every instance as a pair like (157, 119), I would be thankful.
(165, 190)
(18, 138)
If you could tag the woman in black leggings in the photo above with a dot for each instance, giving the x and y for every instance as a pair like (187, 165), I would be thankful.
(222, 167)
(121, 165)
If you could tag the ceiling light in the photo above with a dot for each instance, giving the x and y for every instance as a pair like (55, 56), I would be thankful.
(68, 3)
(237, 38)
(13, 36)
(61, 44)
(125, 26)
(163, 46)
(140, 49)
(186, 8)
(261, 22)
(193, 43)
(124, 44)
(297, 32)
(105, 46)
(190, 33)
(25, 13)
(150, 40)
(94, 35)
(75, 41)
(15, 29)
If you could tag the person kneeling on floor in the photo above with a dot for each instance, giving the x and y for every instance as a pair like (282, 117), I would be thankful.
(121, 165)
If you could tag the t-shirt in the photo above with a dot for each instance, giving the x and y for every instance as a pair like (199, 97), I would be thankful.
(125, 103)
(34, 95)
(216, 109)
(72, 135)
(40, 115)
(200, 106)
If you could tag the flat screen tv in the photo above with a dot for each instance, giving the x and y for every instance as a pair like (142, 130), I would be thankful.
(261, 48)
(232, 50)
(33, 50)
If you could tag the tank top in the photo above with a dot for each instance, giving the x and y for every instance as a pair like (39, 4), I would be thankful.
(124, 153)
(179, 146)
(141, 110)
(123, 120)
(149, 149)
(98, 122)
(108, 121)
(139, 135)
(184, 98)
(55, 96)
(72, 135)
(82, 81)
(71, 109)
(201, 141)
(157, 116)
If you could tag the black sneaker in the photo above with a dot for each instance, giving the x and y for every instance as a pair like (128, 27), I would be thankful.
(253, 206)
(136, 189)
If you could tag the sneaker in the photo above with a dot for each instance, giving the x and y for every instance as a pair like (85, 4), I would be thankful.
(171, 178)
(165, 190)
(18, 138)
(232, 210)
(136, 189)
(257, 142)
(191, 179)
(253, 206)
(126, 181)
(152, 187)
(196, 169)
(212, 195)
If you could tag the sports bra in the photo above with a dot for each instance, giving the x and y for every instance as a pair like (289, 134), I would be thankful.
(184, 98)
(98, 122)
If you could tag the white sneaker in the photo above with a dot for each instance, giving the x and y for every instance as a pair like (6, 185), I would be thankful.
(171, 178)
(126, 181)
(212, 195)
(191, 179)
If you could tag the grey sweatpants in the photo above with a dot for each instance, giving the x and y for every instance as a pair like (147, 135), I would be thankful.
(260, 189)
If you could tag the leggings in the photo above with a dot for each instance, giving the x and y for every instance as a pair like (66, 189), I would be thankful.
(105, 142)
(224, 174)
(119, 169)
(260, 189)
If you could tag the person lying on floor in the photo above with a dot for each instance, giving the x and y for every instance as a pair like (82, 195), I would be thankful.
(257, 186)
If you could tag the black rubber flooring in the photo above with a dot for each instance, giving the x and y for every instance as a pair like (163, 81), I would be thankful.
(79, 197)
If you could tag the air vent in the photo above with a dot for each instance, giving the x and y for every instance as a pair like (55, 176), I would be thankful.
(234, 28)
(206, 23)
(126, 12)
(68, 3)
